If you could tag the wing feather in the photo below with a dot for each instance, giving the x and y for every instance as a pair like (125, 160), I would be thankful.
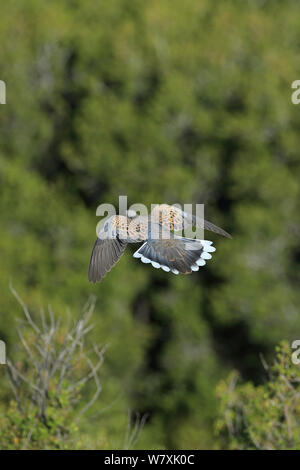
(106, 253)
(174, 218)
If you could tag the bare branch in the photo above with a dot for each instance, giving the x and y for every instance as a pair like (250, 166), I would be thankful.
(56, 362)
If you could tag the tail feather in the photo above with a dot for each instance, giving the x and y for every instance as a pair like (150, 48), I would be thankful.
(178, 255)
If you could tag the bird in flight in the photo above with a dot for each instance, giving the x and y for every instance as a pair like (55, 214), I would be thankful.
(161, 247)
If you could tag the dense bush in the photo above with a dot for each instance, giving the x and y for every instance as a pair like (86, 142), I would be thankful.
(165, 102)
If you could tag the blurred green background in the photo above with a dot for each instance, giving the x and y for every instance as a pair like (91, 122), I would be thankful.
(163, 101)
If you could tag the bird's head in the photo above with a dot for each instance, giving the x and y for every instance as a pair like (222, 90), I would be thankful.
(131, 214)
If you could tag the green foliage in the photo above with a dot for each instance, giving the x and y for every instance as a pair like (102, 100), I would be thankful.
(26, 430)
(265, 416)
(47, 379)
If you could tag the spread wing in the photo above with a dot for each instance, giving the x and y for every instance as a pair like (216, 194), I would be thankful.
(106, 253)
(174, 218)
